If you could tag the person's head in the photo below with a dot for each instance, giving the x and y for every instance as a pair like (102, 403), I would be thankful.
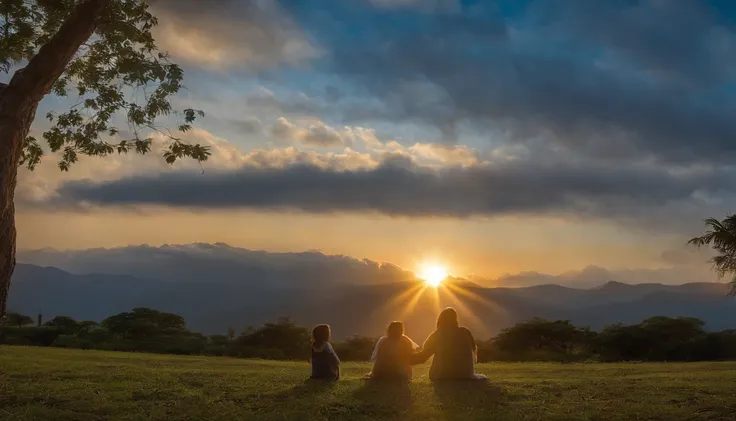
(447, 318)
(395, 330)
(321, 334)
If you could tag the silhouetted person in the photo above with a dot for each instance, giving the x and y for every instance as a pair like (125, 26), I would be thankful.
(453, 347)
(325, 363)
(393, 354)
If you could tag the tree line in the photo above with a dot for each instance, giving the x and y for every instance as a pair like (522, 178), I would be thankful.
(147, 330)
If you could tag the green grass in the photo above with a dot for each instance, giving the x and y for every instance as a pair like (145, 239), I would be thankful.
(46, 383)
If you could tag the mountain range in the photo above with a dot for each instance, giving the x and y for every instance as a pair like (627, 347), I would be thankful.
(215, 286)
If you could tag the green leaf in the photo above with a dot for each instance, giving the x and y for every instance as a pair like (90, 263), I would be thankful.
(120, 56)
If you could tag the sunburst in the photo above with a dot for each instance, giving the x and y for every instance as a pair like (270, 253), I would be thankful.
(433, 274)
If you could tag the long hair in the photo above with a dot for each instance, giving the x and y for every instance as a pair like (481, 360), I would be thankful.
(447, 318)
(395, 330)
(321, 334)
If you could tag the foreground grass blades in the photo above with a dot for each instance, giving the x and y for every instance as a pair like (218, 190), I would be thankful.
(58, 384)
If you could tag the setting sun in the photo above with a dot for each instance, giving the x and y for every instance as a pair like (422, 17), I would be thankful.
(433, 275)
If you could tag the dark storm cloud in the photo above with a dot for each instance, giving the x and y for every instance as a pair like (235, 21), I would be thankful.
(627, 79)
(402, 189)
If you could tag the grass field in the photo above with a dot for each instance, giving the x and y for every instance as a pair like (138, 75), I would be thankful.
(57, 384)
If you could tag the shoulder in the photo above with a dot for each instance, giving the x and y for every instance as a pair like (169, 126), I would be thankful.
(405, 341)
(328, 348)
(464, 331)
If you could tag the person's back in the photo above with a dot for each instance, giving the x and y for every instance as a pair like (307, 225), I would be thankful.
(325, 363)
(393, 359)
(392, 355)
(453, 349)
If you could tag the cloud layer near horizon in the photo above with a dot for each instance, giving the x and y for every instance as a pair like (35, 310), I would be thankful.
(223, 263)
(399, 186)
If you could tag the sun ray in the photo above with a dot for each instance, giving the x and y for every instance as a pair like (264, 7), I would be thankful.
(412, 303)
(457, 302)
(475, 297)
(406, 294)
(436, 300)
(396, 300)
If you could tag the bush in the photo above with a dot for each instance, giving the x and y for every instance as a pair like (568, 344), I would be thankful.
(355, 348)
(35, 336)
(73, 341)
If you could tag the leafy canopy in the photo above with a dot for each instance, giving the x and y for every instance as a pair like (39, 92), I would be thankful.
(119, 74)
(721, 236)
(15, 319)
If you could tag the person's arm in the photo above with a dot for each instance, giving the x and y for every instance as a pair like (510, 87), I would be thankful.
(375, 350)
(413, 344)
(333, 355)
(473, 345)
(427, 351)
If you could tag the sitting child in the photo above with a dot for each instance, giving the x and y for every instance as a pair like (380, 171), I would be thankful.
(392, 355)
(325, 363)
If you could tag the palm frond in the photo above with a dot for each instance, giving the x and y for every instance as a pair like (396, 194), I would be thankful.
(721, 236)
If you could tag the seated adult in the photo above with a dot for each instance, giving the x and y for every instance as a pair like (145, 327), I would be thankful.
(454, 350)
(392, 355)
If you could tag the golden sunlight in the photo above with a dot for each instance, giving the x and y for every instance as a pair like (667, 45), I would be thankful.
(433, 274)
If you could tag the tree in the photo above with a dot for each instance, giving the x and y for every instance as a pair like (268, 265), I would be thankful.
(101, 50)
(654, 339)
(87, 326)
(65, 324)
(356, 348)
(721, 236)
(539, 338)
(283, 339)
(16, 319)
(144, 323)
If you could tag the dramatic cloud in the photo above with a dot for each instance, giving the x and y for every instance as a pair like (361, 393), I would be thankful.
(232, 34)
(248, 125)
(295, 104)
(460, 155)
(629, 80)
(317, 134)
(422, 4)
(397, 185)
(40, 184)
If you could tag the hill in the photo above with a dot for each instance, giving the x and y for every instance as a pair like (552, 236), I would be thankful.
(213, 305)
(84, 385)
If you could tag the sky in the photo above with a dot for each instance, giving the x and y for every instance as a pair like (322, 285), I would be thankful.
(497, 138)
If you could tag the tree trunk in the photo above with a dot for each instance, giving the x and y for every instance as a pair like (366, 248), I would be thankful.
(18, 102)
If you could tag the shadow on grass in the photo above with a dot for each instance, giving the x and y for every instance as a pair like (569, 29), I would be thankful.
(302, 396)
(382, 399)
(308, 388)
(469, 394)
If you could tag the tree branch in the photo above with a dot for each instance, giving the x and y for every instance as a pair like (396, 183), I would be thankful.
(31, 83)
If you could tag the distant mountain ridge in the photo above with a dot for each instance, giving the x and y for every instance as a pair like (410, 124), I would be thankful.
(211, 304)
(221, 262)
